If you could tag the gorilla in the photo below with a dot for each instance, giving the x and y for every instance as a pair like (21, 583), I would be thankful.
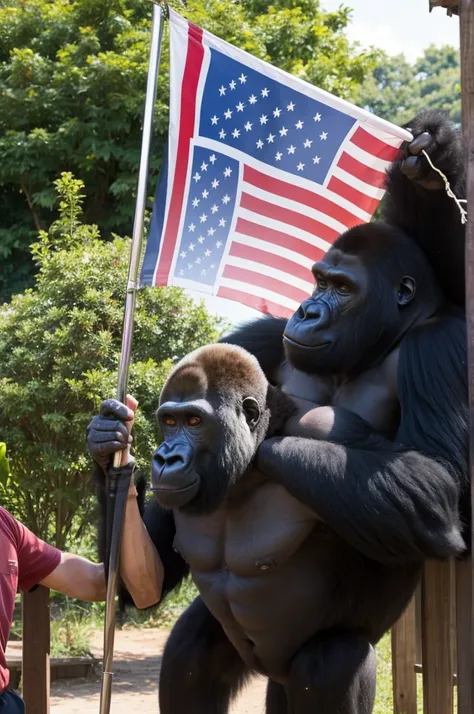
(382, 340)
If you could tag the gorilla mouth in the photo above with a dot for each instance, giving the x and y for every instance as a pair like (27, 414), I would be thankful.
(305, 346)
(168, 488)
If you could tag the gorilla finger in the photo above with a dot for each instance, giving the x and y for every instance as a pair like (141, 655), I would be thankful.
(114, 408)
(107, 447)
(107, 425)
(422, 142)
(413, 167)
(101, 437)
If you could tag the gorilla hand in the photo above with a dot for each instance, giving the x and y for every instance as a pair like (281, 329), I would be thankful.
(109, 431)
(441, 141)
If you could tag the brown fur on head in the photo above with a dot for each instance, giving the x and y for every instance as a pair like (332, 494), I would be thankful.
(232, 373)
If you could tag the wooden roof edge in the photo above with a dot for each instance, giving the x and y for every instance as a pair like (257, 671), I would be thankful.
(451, 6)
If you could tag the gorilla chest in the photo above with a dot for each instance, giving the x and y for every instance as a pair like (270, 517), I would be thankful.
(257, 531)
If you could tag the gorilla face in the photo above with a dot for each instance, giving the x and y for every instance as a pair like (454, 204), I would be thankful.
(353, 315)
(213, 416)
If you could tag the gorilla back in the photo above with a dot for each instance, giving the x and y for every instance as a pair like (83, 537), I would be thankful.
(265, 565)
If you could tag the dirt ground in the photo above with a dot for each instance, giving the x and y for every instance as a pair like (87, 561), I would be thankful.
(136, 667)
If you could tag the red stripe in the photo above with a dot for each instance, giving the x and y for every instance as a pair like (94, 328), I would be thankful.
(253, 277)
(376, 147)
(191, 74)
(258, 303)
(364, 202)
(239, 250)
(361, 171)
(301, 195)
(256, 230)
(291, 218)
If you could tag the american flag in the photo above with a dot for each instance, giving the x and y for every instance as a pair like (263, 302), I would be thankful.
(263, 172)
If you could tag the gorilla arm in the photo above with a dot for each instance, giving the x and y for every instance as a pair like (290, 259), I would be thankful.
(416, 200)
(395, 502)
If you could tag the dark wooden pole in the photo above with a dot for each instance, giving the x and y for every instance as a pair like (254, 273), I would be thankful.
(36, 643)
(467, 89)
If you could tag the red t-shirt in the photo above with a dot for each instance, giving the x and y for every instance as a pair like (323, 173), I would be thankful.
(25, 560)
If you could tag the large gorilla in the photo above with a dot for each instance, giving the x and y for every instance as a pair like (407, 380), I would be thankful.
(378, 340)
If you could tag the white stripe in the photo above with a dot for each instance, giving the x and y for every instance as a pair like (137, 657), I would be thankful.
(259, 292)
(260, 268)
(387, 136)
(365, 158)
(338, 153)
(193, 285)
(273, 249)
(310, 238)
(358, 184)
(293, 206)
(319, 190)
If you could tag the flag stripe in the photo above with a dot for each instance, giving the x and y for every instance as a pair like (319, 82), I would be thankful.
(285, 215)
(253, 277)
(351, 194)
(273, 249)
(361, 171)
(261, 304)
(366, 158)
(301, 195)
(246, 252)
(192, 71)
(279, 238)
(374, 146)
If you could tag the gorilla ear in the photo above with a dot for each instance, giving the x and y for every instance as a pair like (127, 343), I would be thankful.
(252, 411)
(406, 290)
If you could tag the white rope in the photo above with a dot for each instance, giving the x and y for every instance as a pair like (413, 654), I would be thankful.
(449, 190)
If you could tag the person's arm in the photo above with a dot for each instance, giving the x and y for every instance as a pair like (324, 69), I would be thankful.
(77, 577)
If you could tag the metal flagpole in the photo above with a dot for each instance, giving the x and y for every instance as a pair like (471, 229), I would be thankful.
(117, 493)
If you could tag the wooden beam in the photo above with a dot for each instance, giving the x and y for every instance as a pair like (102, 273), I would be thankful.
(452, 6)
(403, 662)
(36, 642)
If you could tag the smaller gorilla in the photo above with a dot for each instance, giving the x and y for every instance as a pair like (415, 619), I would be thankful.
(265, 564)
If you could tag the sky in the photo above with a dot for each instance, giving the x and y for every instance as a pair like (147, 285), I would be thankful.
(394, 25)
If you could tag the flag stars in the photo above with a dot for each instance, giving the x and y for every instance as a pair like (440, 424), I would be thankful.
(291, 149)
(218, 244)
(240, 106)
(248, 126)
(196, 202)
(222, 223)
(252, 99)
(300, 166)
(211, 231)
(276, 112)
(317, 117)
(197, 177)
(236, 133)
(222, 134)
(316, 160)
(232, 84)
(203, 218)
(307, 143)
(190, 265)
(263, 119)
(212, 266)
(299, 124)
(183, 254)
(203, 271)
(323, 136)
(215, 183)
(242, 78)
(259, 144)
(222, 91)
(225, 199)
(207, 253)
(278, 156)
(270, 138)
(227, 172)
(181, 272)
(205, 193)
(212, 159)
(214, 120)
(201, 239)
(265, 92)
(227, 114)
(191, 228)
(283, 131)
(191, 247)
(198, 261)
(204, 166)
(214, 208)
(290, 107)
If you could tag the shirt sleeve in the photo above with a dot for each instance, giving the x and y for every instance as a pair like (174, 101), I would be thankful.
(36, 559)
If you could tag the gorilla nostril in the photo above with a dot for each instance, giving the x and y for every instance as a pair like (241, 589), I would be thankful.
(174, 459)
(160, 459)
(300, 312)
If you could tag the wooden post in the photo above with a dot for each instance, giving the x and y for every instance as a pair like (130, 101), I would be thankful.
(403, 662)
(466, 658)
(36, 643)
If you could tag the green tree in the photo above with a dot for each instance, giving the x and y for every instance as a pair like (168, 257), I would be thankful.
(59, 349)
(72, 83)
(398, 90)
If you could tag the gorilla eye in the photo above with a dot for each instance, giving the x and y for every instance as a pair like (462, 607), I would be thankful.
(194, 421)
(321, 284)
(169, 420)
(343, 289)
